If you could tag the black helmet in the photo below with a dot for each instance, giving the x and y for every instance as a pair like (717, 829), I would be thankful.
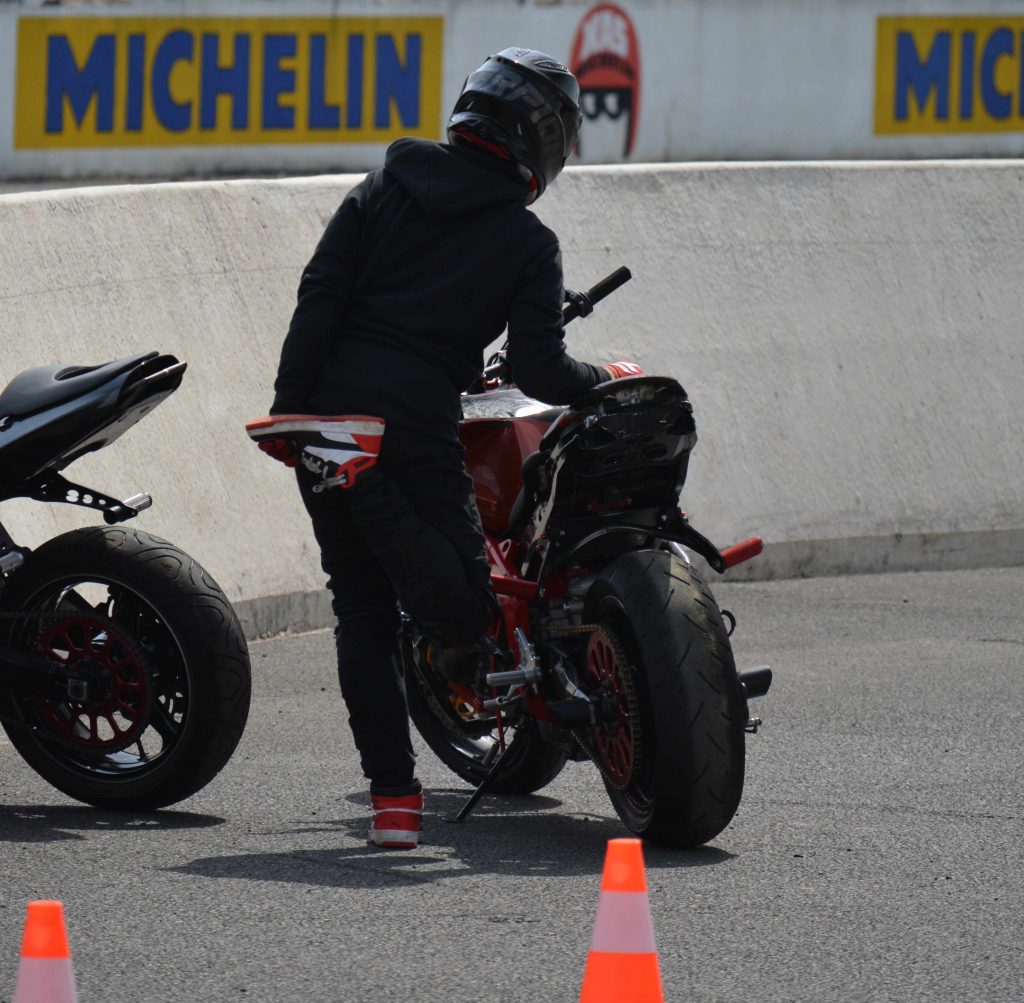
(526, 103)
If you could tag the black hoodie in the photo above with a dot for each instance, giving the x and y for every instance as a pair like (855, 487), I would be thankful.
(421, 268)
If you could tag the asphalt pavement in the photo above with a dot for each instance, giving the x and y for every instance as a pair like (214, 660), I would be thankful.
(878, 853)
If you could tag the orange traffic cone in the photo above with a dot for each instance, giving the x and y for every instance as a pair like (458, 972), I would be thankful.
(622, 966)
(44, 971)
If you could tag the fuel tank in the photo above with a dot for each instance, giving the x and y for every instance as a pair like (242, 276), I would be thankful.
(499, 430)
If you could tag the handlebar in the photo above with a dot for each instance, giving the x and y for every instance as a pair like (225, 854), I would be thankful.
(578, 305)
(582, 304)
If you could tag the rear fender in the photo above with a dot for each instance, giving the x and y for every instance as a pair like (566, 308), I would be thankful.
(46, 442)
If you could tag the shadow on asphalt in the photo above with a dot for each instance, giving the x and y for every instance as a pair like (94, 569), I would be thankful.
(42, 824)
(504, 836)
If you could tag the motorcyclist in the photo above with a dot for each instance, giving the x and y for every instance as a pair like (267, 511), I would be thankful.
(423, 265)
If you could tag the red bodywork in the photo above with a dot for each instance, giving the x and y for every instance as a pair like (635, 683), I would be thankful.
(495, 451)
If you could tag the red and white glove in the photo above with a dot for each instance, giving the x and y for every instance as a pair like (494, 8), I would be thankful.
(282, 449)
(618, 370)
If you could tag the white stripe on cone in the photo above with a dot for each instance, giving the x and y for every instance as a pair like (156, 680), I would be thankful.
(623, 924)
(45, 980)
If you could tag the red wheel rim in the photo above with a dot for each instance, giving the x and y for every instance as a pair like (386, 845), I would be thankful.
(609, 679)
(117, 709)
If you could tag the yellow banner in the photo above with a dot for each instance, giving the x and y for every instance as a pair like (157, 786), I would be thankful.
(949, 74)
(137, 82)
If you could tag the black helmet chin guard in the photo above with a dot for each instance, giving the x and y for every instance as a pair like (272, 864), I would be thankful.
(526, 103)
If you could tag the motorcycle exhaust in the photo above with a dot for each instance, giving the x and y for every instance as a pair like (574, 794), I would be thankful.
(756, 681)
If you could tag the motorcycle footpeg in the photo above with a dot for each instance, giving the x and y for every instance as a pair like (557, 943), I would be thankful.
(10, 561)
(514, 677)
(526, 672)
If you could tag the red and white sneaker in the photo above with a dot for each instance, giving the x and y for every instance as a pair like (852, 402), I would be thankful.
(337, 448)
(397, 821)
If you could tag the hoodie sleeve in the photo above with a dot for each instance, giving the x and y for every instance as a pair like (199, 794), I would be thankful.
(325, 291)
(536, 349)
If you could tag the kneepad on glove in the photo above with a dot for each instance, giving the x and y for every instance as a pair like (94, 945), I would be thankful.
(337, 448)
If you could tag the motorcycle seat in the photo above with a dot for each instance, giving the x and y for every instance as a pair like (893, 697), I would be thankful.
(44, 387)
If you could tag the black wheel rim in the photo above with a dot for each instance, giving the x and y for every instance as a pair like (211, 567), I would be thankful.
(456, 722)
(112, 710)
(136, 720)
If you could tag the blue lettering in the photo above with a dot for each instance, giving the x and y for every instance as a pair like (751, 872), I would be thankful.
(967, 75)
(354, 116)
(231, 80)
(64, 78)
(176, 47)
(321, 114)
(277, 82)
(136, 82)
(997, 103)
(398, 82)
(922, 77)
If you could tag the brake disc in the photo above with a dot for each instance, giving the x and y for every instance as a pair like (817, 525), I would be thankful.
(111, 691)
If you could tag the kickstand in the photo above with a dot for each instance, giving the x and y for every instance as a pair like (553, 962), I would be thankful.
(471, 801)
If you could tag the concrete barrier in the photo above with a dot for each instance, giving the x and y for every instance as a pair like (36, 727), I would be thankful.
(850, 336)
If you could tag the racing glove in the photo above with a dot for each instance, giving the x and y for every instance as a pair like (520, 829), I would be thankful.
(283, 450)
(618, 370)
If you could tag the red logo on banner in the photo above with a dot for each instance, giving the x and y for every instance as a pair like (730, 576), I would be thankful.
(606, 61)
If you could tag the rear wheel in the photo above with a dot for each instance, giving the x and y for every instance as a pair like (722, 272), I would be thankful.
(159, 664)
(466, 741)
(671, 748)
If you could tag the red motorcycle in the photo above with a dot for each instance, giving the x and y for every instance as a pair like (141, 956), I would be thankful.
(610, 645)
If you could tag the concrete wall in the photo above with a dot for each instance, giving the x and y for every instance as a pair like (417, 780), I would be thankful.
(850, 336)
(681, 79)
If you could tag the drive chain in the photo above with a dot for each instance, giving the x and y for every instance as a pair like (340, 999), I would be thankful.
(551, 633)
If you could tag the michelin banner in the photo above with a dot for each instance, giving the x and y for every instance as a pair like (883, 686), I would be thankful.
(145, 82)
(224, 87)
(949, 75)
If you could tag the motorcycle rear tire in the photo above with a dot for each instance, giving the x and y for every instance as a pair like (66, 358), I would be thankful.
(182, 605)
(687, 782)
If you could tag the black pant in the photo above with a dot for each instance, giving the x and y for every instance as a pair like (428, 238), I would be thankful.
(407, 531)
